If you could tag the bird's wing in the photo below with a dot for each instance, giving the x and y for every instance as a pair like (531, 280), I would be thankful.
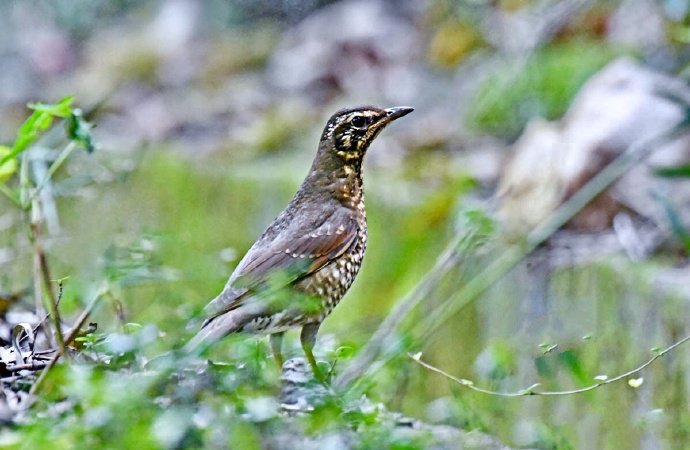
(286, 259)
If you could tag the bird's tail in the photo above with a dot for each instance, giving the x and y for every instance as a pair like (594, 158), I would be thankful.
(216, 328)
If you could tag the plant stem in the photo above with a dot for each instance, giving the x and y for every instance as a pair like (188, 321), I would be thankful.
(70, 337)
(530, 390)
(41, 271)
(42, 278)
(7, 192)
(62, 157)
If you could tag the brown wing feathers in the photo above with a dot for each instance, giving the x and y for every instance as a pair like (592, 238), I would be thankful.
(302, 255)
(289, 258)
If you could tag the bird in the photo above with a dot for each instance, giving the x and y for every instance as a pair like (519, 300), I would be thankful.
(306, 260)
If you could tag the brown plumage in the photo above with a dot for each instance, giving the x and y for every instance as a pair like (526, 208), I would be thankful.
(306, 260)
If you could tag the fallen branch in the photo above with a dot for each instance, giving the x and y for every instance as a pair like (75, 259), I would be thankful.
(531, 390)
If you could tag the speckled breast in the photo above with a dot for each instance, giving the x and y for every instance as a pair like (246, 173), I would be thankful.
(333, 280)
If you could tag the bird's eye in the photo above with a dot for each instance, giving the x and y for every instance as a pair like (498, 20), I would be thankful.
(359, 122)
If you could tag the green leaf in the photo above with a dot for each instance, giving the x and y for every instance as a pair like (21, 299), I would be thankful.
(79, 130)
(27, 133)
(40, 120)
(682, 171)
(8, 169)
(479, 221)
(62, 109)
(37, 122)
(571, 361)
(345, 351)
(132, 327)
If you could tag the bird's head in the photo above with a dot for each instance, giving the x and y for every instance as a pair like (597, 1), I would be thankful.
(349, 132)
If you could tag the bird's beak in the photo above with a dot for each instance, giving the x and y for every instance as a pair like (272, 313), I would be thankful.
(396, 113)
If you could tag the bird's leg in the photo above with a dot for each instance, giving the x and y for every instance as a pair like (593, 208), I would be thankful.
(276, 340)
(308, 339)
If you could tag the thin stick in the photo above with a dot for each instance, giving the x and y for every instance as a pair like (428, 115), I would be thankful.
(60, 283)
(42, 272)
(30, 366)
(70, 337)
(530, 390)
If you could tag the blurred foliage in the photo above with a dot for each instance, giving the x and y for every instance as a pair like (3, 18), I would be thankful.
(453, 40)
(241, 12)
(679, 229)
(165, 254)
(243, 50)
(164, 229)
(79, 16)
(544, 87)
(119, 403)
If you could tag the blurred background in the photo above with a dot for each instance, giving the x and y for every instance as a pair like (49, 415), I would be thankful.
(207, 118)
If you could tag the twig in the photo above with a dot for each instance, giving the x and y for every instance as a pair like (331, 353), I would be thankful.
(42, 271)
(531, 390)
(70, 337)
(30, 366)
(38, 292)
(43, 352)
(13, 379)
(60, 283)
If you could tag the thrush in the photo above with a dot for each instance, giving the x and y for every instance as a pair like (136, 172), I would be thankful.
(306, 260)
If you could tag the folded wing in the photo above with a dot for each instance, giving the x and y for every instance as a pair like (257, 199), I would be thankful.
(285, 260)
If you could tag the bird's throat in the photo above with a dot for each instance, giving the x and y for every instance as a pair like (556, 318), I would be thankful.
(342, 182)
(331, 177)
(348, 187)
